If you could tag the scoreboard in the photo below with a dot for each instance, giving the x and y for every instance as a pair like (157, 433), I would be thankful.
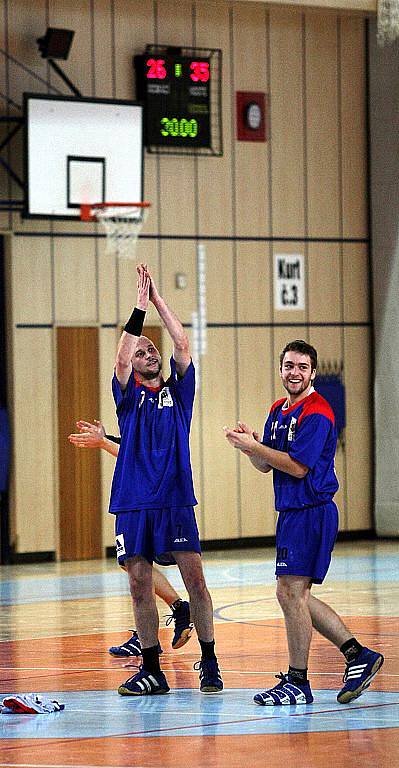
(176, 91)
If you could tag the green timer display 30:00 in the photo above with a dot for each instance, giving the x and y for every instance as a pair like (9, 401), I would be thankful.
(182, 128)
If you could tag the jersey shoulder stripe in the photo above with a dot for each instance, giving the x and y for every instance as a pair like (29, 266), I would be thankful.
(275, 405)
(317, 404)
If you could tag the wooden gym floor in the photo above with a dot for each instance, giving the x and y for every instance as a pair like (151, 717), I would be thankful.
(58, 620)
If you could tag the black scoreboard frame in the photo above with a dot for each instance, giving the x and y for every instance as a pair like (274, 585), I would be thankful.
(215, 98)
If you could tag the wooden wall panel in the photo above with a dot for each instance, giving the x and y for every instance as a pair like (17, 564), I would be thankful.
(356, 282)
(324, 283)
(251, 158)
(287, 135)
(219, 402)
(255, 377)
(80, 535)
(212, 29)
(322, 168)
(220, 282)
(176, 174)
(102, 80)
(108, 284)
(107, 344)
(24, 27)
(254, 283)
(135, 27)
(34, 510)
(353, 127)
(359, 451)
(75, 280)
(32, 280)
(182, 259)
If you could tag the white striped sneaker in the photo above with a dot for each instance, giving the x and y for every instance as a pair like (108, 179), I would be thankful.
(144, 684)
(359, 674)
(285, 693)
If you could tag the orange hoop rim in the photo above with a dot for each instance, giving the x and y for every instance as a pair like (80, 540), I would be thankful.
(86, 209)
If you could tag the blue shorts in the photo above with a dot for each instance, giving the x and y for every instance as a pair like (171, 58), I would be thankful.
(305, 539)
(156, 533)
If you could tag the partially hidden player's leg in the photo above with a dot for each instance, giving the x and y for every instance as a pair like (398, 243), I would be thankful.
(163, 588)
(180, 616)
(362, 663)
(149, 680)
(293, 595)
(201, 609)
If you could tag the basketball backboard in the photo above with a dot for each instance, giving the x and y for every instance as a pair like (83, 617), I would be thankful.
(80, 150)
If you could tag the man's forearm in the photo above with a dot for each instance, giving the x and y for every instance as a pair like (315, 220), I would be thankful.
(263, 456)
(260, 463)
(172, 323)
(109, 446)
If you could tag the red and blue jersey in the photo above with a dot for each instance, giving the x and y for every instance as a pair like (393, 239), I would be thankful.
(306, 431)
(153, 467)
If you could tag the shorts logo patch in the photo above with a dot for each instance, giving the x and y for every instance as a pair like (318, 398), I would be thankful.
(281, 565)
(180, 539)
(120, 545)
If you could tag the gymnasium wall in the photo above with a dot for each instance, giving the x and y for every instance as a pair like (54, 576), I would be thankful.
(384, 160)
(306, 185)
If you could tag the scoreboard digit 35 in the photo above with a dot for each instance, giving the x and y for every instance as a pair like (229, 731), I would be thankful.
(180, 90)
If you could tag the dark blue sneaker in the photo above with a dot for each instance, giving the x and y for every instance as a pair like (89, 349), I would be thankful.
(285, 693)
(144, 684)
(359, 674)
(132, 647)
(183, 624)
(210, 677)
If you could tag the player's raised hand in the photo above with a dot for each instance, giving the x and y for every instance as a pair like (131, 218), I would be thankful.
(143, 287)
(154, 293)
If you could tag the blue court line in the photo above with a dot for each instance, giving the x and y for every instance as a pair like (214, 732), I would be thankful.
(185, 712)
(370, 569)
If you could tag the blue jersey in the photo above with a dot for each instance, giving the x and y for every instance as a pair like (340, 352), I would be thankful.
(306, 431)
(153, 467)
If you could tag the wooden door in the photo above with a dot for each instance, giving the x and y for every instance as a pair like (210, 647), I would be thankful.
(79, 470)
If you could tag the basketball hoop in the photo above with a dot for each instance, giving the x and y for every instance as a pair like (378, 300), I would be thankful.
(122, 223)
(387, 21)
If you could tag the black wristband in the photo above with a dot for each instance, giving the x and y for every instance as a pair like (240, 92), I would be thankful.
(134, 325)
(113, 439)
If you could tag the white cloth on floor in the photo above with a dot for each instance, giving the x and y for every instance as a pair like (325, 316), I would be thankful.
(28, 704)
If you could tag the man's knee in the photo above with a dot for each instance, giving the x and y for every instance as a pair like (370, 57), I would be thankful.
(290, 592)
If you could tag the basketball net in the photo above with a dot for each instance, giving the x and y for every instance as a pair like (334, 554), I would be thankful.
(122, 225)
(387, 21)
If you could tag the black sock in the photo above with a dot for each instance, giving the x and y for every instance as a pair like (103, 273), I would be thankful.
(351, 649)
(297, 675)
(207, 649)
(177, 603)
(151, 659)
